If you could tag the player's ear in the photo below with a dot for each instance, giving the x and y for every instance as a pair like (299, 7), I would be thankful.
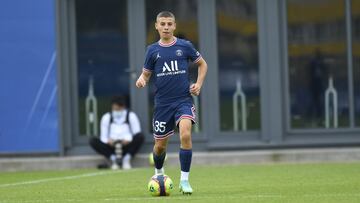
(156, 25)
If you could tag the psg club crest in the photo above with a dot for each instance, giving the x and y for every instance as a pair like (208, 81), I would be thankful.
(179, 52)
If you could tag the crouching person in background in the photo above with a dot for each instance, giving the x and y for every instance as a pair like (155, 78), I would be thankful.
(120, 135)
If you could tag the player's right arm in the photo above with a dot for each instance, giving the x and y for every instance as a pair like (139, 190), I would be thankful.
(143, 79)
(147, 70)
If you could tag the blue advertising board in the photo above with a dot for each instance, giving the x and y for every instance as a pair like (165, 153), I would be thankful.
(28, 86)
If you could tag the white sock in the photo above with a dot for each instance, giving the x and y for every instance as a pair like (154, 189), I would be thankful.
(127, 157)
(184, 175)
(159, 171)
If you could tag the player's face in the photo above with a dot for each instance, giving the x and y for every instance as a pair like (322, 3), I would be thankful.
(166, 27)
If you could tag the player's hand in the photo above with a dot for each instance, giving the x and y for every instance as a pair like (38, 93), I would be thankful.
(141, 82)
(195, 89)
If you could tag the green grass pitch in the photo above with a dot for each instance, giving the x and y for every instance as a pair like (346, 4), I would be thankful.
(245, 183)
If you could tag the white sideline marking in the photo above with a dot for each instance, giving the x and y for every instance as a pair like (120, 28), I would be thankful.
(194, 197)
(261, 196)
(56, 179)
(155, 199)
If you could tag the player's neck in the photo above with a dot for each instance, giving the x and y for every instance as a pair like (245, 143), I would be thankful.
(166, 41)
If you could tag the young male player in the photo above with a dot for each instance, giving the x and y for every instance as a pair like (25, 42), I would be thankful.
(168, 59)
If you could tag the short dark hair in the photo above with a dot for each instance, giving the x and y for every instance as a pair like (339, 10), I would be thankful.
(165, 14)
(119, 100)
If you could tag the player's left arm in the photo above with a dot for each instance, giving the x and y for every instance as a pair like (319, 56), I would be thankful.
(202, 69)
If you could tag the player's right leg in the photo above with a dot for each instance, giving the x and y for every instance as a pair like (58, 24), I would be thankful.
(163, 127)
(159, 154)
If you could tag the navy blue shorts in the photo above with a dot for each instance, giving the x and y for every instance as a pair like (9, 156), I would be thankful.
(166, 117)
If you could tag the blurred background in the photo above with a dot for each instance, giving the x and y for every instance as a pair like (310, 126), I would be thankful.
(282, 73)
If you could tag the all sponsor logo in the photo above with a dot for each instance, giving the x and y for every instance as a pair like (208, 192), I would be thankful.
(170, 69)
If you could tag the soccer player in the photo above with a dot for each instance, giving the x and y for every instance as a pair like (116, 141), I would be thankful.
(168, 59)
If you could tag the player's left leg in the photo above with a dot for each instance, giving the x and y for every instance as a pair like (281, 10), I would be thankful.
(185, 154)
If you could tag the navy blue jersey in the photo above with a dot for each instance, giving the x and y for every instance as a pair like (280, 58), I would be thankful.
(169, 64)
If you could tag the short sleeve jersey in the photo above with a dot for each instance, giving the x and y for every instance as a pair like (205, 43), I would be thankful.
(169, 63)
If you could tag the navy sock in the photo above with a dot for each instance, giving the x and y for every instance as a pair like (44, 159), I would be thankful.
(159, 160)
(185, 156)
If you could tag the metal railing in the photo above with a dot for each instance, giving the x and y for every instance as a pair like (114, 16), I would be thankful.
(239, 93)
(91, 117)
(331, 91)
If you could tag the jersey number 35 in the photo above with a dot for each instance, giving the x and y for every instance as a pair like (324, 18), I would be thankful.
(159, 126)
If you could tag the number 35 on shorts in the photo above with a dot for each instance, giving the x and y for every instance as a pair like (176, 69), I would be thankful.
(159, 126)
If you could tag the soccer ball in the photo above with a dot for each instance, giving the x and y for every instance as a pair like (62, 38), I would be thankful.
(160, 185)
